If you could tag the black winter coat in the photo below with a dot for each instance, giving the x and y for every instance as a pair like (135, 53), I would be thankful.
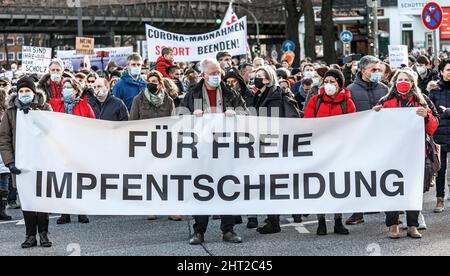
(441, 97)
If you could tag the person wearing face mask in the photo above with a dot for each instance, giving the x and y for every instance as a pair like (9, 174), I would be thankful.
(28, 98)
(88, 89)
(236, 82)
(71, 103)
(425, 73)
(211, 95)
(106, 106)
(131, 83)
(224, 59)
(165, 61)
(440, 97)
(366, 91)
(272, 101)
(333, 100)
(176, 74)
(51, 83)
(154, 101)
(405, 93)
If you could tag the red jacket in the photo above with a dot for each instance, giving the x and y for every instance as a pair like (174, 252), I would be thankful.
(162, 65)
(82, 109)
(431, 124)
(330, 107)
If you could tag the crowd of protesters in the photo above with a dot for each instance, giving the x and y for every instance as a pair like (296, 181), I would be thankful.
(233, 86)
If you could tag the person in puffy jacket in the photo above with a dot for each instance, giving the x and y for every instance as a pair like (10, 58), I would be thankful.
(406, 93)
(164, 62)
(333, 100)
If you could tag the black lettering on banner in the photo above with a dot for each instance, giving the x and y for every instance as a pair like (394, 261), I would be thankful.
(220, 188)
(104, 186)
(192, 146)
(238, 145)
(217, 145)
(162, 192)
(205, 188)
(285, 145)
(261, 187)
(296, 186)
(333, 186)
(134, 143)
(127, 186)
(155, 144)
(39, 184)
(274, 186)
(52, 182)
(181, 179)
(297, 144)
(306, 179)
(372, 189)
(398, 184)
(81, 187)
(264, 145)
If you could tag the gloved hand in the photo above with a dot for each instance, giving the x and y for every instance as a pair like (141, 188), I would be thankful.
(26, 110)
(13, 169)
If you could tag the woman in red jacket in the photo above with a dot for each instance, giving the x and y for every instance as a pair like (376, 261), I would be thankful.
(405, 93)
(333, 100)
(71, 103)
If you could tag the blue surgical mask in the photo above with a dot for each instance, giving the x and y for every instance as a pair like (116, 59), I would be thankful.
(308, 75)
(227, 66)
(55, 77)
(376, 77)
(214, 81)
(26, 98)
(135, 71)
(67, 93)
(100, 94)
(316, 82)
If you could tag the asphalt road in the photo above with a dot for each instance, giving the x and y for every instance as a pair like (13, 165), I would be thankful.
(135, 236)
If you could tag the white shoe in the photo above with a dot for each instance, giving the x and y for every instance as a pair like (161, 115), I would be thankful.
(422, 224)
(404, 225)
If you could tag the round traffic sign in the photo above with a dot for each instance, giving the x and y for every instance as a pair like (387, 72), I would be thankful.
(346, 37)
(432, 16)
(288, 46)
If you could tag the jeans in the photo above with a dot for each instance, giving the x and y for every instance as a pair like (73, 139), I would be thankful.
(201, 224)
(441, 178)
(4, 181)
(412, 218)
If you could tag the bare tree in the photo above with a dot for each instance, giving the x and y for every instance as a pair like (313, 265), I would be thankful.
(310, 29)
(328, 32)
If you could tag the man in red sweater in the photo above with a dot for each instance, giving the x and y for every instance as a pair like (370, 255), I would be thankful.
(165, 61)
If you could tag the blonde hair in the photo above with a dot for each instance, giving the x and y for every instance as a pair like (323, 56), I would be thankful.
(270, 75)
(415, 90)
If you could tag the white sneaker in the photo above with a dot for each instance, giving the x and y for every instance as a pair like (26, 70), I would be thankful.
(422, 224)
(404, 225)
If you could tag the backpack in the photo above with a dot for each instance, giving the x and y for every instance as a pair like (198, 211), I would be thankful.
(319, 102)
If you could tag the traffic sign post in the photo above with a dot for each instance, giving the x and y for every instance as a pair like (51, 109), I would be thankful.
(346, 37)
(432, 16)
(289, 46)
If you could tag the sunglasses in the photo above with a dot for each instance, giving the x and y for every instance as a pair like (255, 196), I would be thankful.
(3, 84)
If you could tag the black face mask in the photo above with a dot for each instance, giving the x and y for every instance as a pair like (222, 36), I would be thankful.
(259, 83)
(152, 88)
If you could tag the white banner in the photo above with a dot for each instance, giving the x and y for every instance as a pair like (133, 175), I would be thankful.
(119, 55)
(362, 162)
(232, 39)
(36, 59)
(398, 56)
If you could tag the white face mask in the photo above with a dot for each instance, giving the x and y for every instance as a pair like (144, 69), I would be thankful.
(421, 70)
(330, 89)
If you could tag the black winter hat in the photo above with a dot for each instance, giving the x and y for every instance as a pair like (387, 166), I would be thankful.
(221, 55)
(26, 82)
(337, 75)
(233, 73)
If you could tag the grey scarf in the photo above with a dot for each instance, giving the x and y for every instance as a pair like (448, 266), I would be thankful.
(158, 99)
(207, 103)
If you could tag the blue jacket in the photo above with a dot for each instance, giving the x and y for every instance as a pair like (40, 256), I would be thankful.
(128, 88)
(113, 109)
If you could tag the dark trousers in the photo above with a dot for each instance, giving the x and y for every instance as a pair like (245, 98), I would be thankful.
(336, 216)
(12, 196)
(412, 218)
(201, 224)
(441, 178)
(35, 222)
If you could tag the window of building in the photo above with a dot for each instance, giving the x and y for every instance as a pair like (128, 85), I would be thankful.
(12, 56)
(19, 40)
(2, 56)
(10, 41)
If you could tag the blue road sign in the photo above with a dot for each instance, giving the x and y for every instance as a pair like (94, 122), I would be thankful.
(346, 37)
(288, 46)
